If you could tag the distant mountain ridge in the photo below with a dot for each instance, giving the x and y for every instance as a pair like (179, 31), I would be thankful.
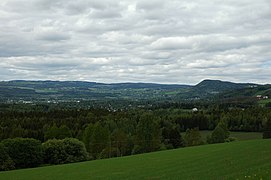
(48, 83)
(70, 90)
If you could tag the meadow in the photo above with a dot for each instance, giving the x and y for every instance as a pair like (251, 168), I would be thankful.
(240, 136)
(235, 160)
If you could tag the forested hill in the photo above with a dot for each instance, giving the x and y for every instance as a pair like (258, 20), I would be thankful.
(209, 88)
(217, 85)
(81, 90)
(86, 84)
(20, 90)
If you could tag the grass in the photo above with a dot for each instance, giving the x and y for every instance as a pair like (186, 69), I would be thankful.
(241, 136)
(236, 160)
(263, 102)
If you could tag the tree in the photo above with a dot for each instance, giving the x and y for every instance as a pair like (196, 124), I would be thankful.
(75, 150)
(148, 134)
(267, 129)
(17, 131)
(60, 151)
(120, 141)
(96, 138)
(172, 136)
(54, 151)
(25, 152)
(192, 137)
(220, 133)
(87, 135)
(57, 133)
(6, 163)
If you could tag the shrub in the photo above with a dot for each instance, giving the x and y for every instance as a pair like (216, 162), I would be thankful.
(6, 162)
(64, 151)
(25, 152)
(54, 152)
(75, 150)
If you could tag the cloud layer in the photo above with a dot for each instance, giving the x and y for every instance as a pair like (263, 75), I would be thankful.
(136, 41)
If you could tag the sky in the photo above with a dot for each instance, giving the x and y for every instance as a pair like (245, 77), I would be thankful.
(158, 41)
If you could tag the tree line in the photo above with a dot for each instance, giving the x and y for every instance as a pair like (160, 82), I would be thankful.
(100, 133)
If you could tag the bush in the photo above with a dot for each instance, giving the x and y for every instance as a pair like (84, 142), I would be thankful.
(54, 152)
(6, 162)
(75, 150)
(25, 152)
(64, 151)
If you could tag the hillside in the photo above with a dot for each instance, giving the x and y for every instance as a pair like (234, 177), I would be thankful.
(237, 160)
(260, 94)
(45, 91)
(211, 88)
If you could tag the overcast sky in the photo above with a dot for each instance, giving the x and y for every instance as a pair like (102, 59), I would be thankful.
(161, 41)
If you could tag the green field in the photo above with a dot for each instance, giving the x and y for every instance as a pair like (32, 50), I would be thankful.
(263, 102)
(236, 160)
(241, 136)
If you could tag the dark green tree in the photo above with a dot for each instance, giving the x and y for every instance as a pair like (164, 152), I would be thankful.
(220, 133)
(192, 137)
(57, 133)
(148, 134)
(172, 136)
(120, 142)
(6, 163)
(267, 129)
(96, 138)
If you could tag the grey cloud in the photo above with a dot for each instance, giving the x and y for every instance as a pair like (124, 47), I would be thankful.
(53, 36)
(150, 41)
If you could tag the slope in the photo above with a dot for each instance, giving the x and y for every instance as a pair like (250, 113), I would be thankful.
(240, 160)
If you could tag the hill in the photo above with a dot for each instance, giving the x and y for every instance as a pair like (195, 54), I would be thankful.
(260, 94)
(236, 160)
(45, 91)
(57, 91)
(210, 88)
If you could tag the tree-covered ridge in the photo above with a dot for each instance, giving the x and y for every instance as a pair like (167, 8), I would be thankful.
(59, 91)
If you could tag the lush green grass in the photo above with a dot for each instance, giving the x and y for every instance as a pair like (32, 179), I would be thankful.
(236, 160)
(239, 135)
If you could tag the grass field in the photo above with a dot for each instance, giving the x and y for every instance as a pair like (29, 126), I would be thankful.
(239, 135)
(263, 102)
(236, 160)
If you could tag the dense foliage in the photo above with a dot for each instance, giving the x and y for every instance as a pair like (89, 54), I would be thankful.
(111, 133)
(64, 151)
(24, 152)
(6, 163)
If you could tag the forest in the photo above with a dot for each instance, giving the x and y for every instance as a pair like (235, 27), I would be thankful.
(57, 136)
